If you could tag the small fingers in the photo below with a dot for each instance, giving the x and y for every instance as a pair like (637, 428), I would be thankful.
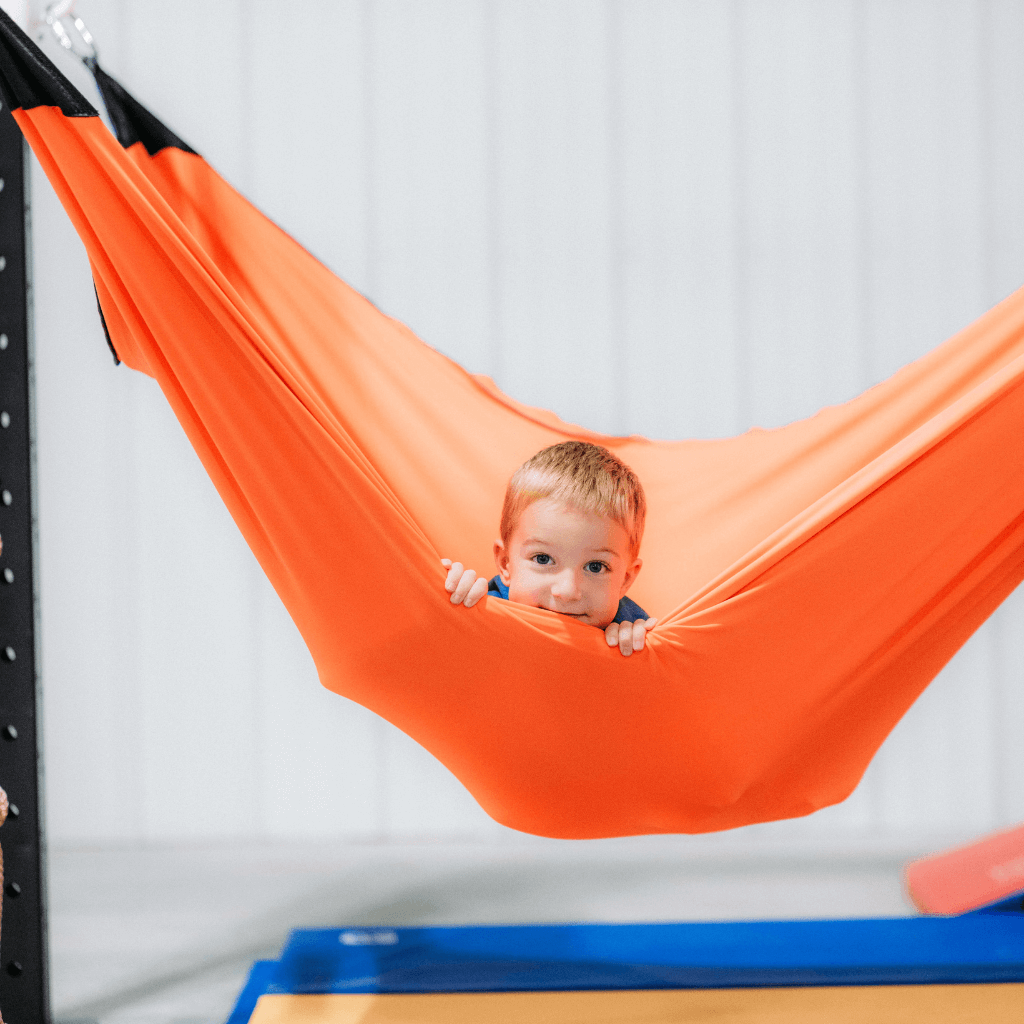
(454, 574)
(626, 640)
(464, 586)
(611, 634)
(632, 636)
(639, 634)
(477, 591)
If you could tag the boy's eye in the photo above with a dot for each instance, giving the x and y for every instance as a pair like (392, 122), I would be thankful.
(542, 559)
(595, 566)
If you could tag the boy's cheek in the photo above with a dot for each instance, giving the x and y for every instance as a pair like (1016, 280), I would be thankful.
(524, 590)
(524, 595)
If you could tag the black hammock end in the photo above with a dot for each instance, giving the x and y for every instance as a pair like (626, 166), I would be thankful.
(103, 323)
(28, 78)
(131, 120)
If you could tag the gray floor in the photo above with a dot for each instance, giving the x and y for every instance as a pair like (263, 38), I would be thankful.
(165, 936)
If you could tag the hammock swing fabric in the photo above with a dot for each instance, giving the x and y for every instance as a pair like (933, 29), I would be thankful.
(809, 581)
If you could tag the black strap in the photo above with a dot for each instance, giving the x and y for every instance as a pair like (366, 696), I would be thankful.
(28, 78)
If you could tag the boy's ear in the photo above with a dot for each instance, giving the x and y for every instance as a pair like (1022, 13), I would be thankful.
(631, 574)
(501, 559)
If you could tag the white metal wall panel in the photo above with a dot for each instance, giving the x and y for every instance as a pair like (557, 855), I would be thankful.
(673, 218)
(677, 219)
(552, 194)
(796, 121)
(17, 9)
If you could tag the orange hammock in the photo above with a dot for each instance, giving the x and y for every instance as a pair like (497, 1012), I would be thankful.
(810, 581)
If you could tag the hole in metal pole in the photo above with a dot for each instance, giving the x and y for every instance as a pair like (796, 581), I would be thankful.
(3, 342)
(12, 811)
(14, 969)
(6, 497)
(3, 262)
(5, 419)
(12, 889)
(8, 575)
(9, 654)
(10, 733)
(1, 184)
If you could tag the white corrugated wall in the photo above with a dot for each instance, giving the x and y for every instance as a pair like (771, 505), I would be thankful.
(656, 216)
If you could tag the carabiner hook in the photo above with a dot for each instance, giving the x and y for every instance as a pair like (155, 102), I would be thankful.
(55, 15)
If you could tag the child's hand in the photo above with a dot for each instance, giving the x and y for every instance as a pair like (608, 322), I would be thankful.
(463, 584)
(629, 636)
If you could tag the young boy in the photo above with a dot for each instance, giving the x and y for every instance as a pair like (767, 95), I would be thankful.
(570, 537)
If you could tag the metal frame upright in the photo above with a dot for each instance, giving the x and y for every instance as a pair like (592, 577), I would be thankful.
(24, 989)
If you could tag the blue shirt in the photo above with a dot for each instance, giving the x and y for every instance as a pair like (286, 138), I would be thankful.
(629, 611)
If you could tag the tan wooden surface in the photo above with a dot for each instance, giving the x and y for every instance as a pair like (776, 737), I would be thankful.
(897, 1004)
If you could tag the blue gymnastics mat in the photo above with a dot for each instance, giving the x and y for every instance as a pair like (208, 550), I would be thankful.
(986, 947)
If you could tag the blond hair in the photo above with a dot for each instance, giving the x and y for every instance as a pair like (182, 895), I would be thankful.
(586, 477)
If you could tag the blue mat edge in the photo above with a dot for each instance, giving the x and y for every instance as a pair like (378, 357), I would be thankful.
(256, 984)
(261, 978)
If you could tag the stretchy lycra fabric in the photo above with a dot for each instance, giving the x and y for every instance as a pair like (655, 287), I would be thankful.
(809, 581)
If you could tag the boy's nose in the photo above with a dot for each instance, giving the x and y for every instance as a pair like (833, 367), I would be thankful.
(566, 586)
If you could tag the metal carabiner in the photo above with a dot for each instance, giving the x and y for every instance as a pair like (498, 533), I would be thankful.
(55, 15)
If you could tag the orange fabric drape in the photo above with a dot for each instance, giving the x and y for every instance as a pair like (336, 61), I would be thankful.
(810, 581)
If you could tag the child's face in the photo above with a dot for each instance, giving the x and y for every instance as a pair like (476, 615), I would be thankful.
(571, 562)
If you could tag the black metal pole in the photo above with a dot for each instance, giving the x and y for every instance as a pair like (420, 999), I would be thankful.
(24, 989)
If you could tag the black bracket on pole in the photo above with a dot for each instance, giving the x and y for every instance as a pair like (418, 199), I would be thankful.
(24, 988)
